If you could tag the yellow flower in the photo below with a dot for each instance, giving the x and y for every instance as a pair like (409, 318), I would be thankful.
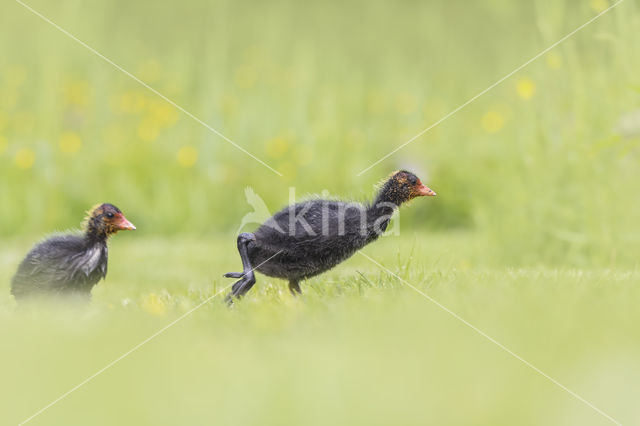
(148, 130)
(154, 305)
(246, 77)
(554, 60)
(70, 143)
(187, 156)
(24, 158)
(599, 5)
(526, 88)
(132, 102)
(406, 103)
(3, 144)
(492, 121)
(277, 147)
(77, 93)
(163, 112)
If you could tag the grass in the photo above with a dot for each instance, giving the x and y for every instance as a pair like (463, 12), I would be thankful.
(358, 348)
(533, 237)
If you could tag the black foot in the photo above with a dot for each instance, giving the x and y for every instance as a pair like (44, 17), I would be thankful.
(241, 287)
(233, 275)
(294, 288)
(247, 278)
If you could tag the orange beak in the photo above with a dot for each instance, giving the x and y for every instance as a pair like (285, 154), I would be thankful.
(123, 224)
(422, 191)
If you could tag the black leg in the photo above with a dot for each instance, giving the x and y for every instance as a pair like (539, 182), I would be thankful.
(247, 277)
(294, 287)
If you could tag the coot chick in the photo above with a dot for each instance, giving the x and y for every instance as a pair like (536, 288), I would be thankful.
(70, 263)
(311, 237)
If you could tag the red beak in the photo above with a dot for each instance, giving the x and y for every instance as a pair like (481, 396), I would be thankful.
(123, 224)
(425, 191)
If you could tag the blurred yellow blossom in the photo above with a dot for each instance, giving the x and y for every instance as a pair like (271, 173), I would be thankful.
(464, 265)
(154, 304)
(599, 5)
(187, 156)
(277, 147)
(406, 103)
(77, 93)
(163, 112)
(492, 121)
(69, 143)
(3, 144)
(526, 88)
(246, 77)
(24, 158)
(132, 102)
(148, 130)
(554, 60)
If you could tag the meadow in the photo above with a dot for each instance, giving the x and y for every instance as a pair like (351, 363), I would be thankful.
(533, 239)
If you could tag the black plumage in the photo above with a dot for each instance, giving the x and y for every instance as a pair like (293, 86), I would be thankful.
(70, 263)
(311, 237)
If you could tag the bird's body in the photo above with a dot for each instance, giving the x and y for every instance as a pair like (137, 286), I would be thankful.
(61, 264)
(308, 238)
(311, 237)
(70, 263)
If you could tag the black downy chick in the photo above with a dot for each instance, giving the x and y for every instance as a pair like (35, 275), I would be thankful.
(311, 237)
(70, 263)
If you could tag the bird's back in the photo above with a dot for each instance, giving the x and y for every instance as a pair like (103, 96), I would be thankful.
(61, 264)
(312, 237)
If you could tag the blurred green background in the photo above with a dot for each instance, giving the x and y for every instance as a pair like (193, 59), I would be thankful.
(534, 235)
(541, 163)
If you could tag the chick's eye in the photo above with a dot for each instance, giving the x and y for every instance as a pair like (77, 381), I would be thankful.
(110, 215)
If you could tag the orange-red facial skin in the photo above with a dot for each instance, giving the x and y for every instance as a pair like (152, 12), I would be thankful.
(121, 223)
(106, 219)
(418, 189)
